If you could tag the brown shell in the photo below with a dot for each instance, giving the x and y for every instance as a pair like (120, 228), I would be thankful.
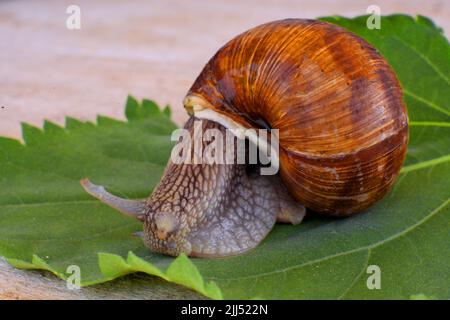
(336, 102)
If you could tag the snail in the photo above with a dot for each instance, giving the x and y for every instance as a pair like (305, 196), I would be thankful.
(343, 133)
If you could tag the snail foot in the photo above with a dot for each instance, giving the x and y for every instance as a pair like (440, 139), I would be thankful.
(291, 213)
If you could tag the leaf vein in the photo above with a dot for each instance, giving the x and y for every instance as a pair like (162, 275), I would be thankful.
(426, 102)
(361, 272)
(424, 58)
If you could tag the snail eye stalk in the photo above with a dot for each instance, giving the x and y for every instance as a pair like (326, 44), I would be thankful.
(132, 208)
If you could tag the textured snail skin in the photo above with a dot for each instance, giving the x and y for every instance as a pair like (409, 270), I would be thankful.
(214, 210)
(343, 133)
(336, 102)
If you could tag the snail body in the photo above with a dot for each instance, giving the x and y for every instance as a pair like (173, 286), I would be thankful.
(343, 133)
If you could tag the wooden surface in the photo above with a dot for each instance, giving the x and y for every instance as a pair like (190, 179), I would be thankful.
(151, 49)
(25, 284)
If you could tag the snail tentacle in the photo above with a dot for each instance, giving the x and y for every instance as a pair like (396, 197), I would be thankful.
(132, 208)
(138, 234)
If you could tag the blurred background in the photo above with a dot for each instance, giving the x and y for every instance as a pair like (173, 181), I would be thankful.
(153, 49)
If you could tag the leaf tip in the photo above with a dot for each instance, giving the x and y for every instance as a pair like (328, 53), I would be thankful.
(131, 108)
(30, 133)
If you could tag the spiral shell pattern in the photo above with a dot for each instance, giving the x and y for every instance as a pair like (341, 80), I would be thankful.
(343, 126)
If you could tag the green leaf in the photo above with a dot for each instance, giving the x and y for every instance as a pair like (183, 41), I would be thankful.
(48, 222)
(421, 297)
(181, 271)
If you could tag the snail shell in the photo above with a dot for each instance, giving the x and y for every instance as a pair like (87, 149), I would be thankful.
(343, 127)
(343, 133)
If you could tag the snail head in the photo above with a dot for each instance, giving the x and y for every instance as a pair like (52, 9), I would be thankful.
(163, 232)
